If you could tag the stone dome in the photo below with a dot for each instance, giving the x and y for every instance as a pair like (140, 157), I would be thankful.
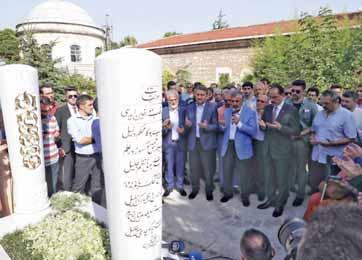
(59, 11)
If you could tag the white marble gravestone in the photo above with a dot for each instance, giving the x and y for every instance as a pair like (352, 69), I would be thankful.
(19, 95)
(129, 91)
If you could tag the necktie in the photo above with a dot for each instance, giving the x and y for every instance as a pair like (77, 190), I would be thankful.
(275, 110)
(75, 109)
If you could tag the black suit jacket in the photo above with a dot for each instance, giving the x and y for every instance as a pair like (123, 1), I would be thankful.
(279, 141)
(62, 115)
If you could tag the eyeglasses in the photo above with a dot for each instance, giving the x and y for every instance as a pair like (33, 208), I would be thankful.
(296, 91)
(72, 96)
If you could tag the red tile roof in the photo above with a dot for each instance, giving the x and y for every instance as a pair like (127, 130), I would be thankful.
(244, 32)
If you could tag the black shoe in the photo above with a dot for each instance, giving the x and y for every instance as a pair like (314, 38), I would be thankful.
(261, 196)
(209, 196)
(182, 192)
(278, 211)
(297, 202)
(193, 194)
(226, 198)
(166, 193)
(245, 200)
(265, 205)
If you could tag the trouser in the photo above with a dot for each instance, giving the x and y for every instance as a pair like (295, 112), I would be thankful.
(319, 172)
(175, 163)
(259, 166)
(51, 176)
(6, 185)
(277, 179)
(201, 165)
(88, 167)
(66, 176)
(301, 154)
(234, 166)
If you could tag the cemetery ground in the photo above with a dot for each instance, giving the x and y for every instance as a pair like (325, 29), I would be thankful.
(215, 228)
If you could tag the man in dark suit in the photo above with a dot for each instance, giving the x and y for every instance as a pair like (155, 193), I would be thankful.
(174, 143)
(280, 121)
(201, 127)
(66, 144)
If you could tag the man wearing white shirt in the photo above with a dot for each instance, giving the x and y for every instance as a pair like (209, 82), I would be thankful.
(239, 127)
(173, 143)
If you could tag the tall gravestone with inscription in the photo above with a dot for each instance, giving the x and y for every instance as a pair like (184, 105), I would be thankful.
(129, 93)
(19, 95)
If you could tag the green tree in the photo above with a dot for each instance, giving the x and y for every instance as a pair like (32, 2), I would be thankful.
(183, 76)
(220, 23)
(83, 84)
(39, 58)
(224, 79)
(167, 75)
(9, 46)
(322, 51)
(128, 40)
(168, 34)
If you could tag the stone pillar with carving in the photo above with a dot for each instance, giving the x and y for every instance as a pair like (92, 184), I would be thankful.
(129, 92)
(19, 95)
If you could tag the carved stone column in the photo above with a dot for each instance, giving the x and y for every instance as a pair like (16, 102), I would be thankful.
(129, 92)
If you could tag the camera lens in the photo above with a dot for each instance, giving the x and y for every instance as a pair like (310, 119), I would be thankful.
(290, 234)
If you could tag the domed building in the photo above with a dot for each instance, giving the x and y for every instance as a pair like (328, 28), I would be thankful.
(75, 33)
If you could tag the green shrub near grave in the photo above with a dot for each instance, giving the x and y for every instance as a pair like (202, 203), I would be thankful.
(65, 234)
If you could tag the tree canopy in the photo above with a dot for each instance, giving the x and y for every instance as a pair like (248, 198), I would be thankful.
(9, 46)
(220, 22)
(168, 34)
(322, 51)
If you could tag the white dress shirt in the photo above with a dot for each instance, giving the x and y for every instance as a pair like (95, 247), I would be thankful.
(199, 112)
(174, 122)
(71, 109)
(277, 109)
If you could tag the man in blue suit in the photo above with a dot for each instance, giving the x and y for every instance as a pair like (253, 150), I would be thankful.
(237, 150)
(174, 143)
(201, 127)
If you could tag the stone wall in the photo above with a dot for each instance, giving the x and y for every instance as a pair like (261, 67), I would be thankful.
(205, 66)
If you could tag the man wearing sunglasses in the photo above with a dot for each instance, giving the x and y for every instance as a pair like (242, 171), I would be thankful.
(307, 110)
(62, 115)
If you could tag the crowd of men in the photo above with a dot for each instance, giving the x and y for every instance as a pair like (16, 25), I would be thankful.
(72, 150)
(261, 138)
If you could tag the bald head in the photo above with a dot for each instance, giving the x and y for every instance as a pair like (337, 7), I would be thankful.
(255, 245)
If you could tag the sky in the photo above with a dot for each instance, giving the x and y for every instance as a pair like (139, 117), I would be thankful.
(148, 20)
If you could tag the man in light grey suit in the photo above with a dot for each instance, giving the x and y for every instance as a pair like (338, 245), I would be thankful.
(239, 127)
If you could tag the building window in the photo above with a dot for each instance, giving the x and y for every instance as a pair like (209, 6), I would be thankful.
(48, 50)
(223, 76)
(75, 53)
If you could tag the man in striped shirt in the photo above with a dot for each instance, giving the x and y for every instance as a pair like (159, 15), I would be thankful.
(51, 153)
